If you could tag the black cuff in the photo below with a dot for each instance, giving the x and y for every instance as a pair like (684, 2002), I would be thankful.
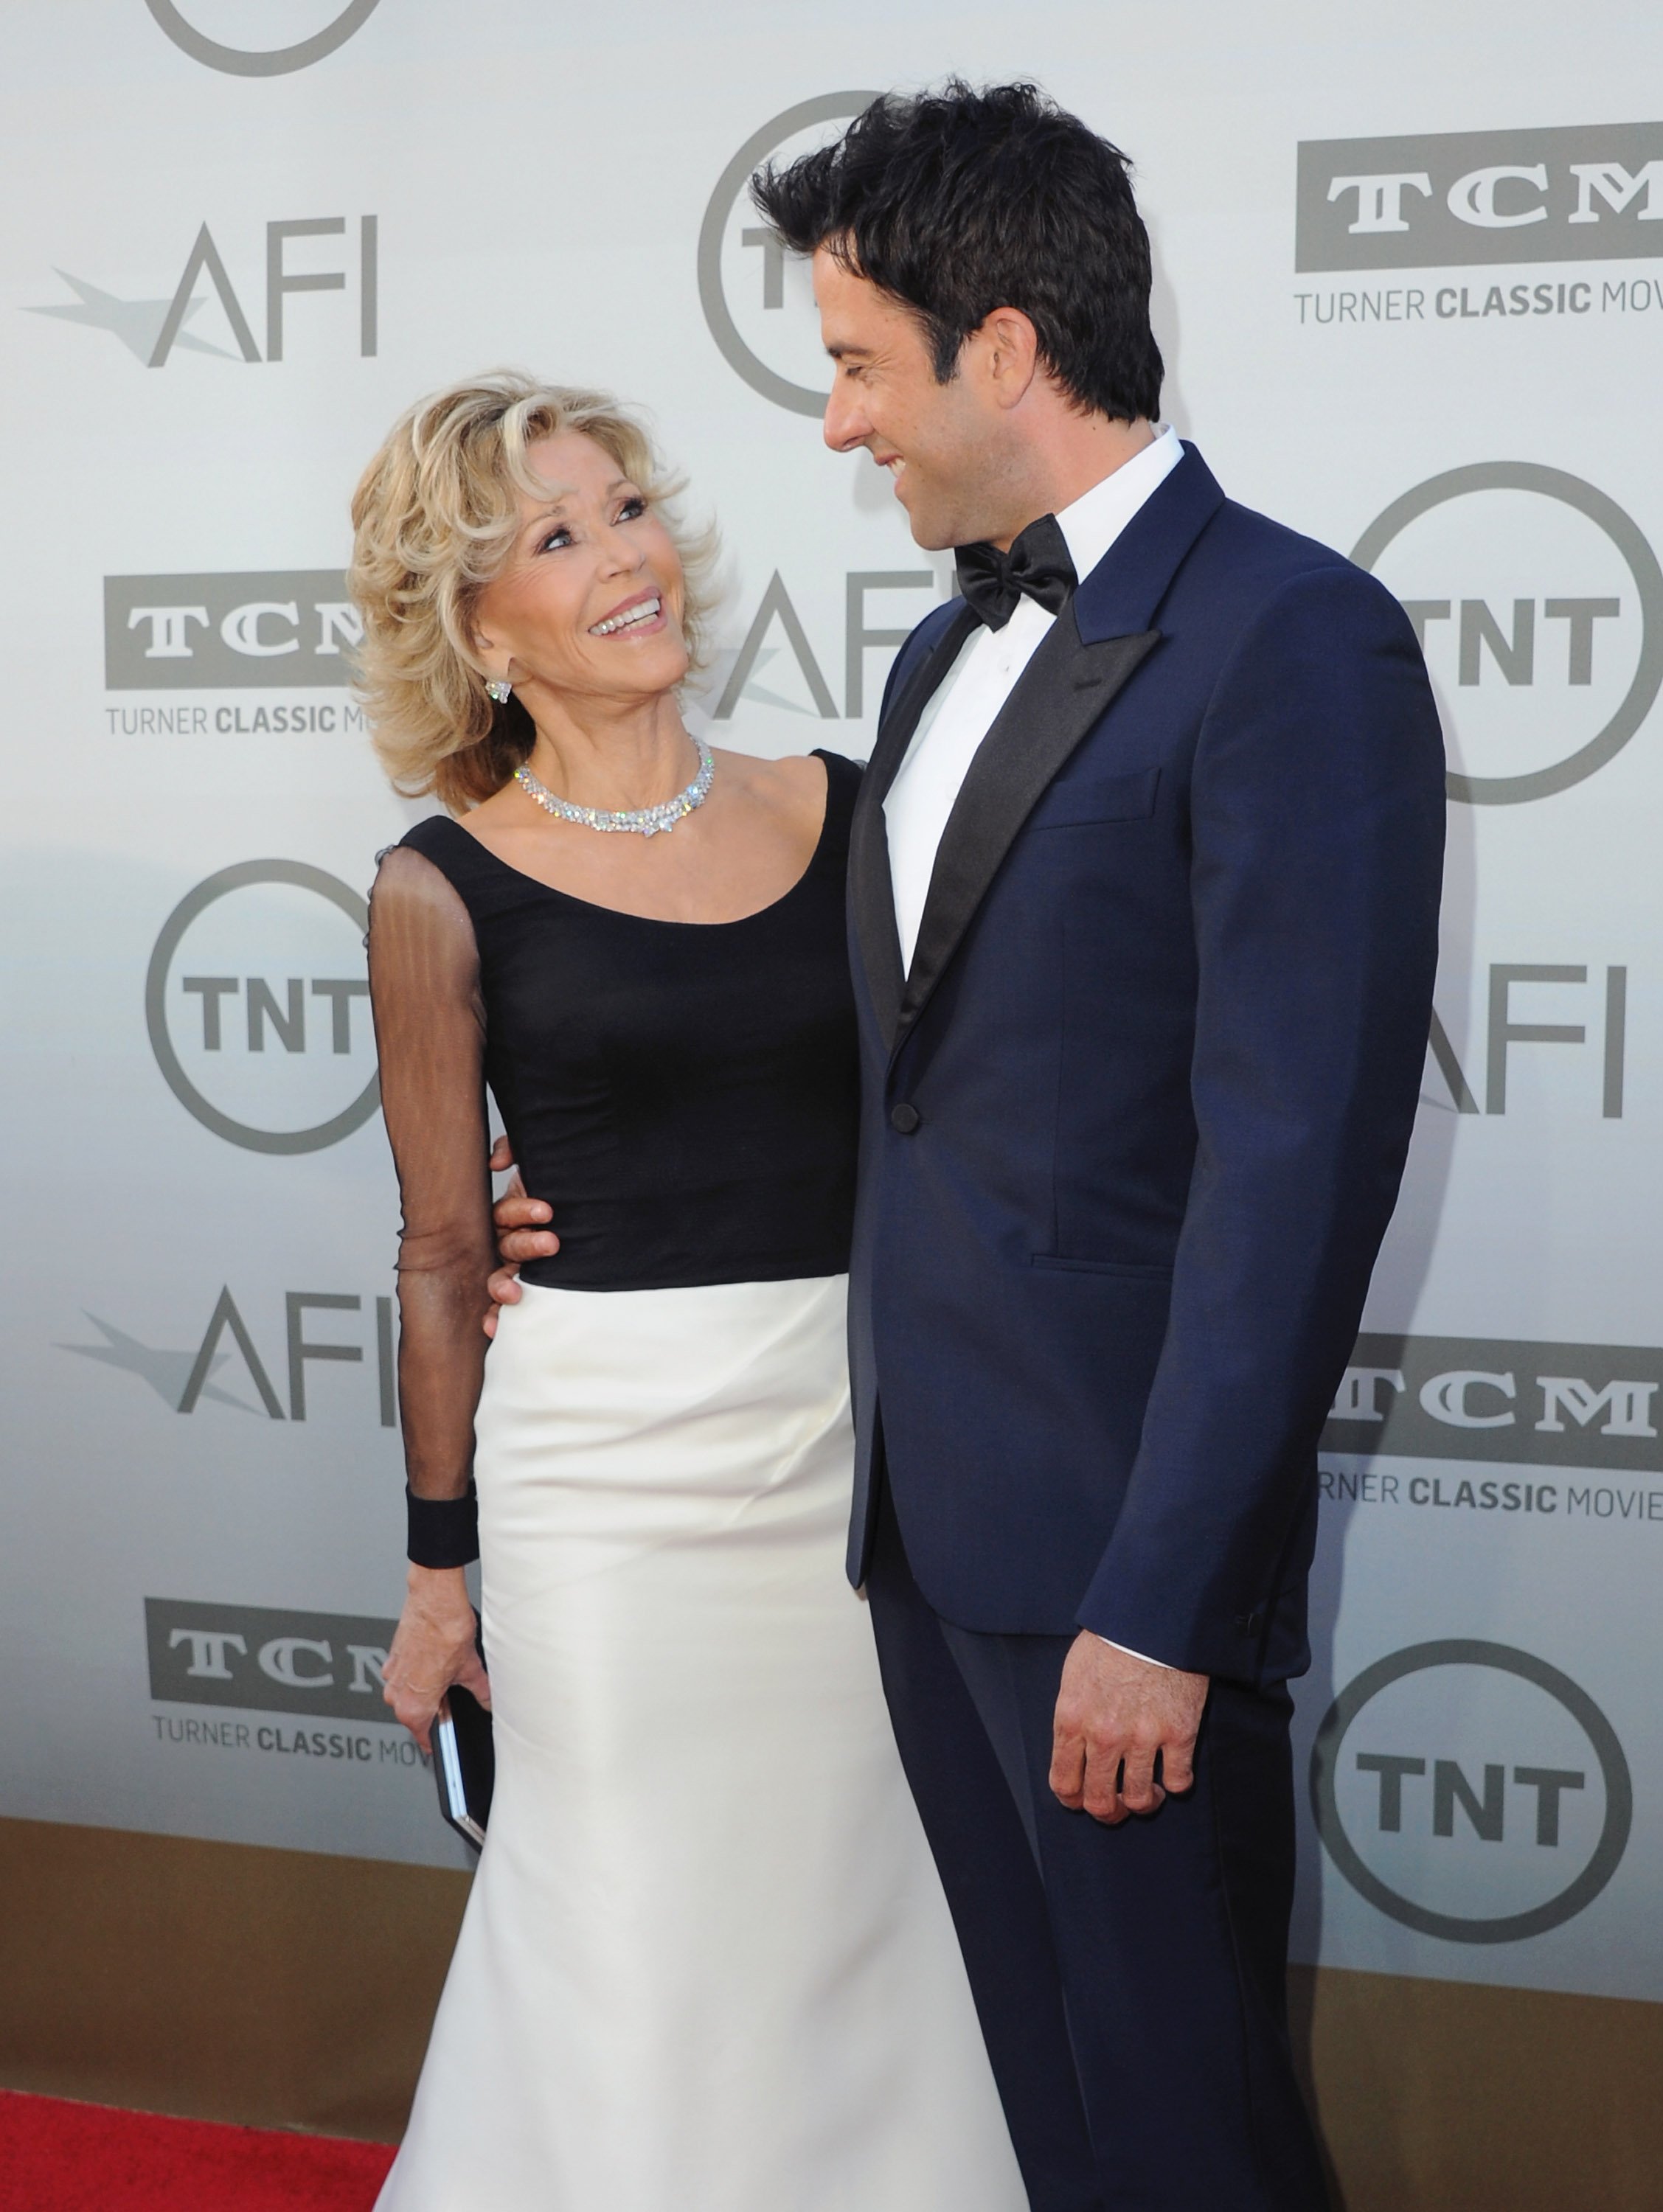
(444, 1532)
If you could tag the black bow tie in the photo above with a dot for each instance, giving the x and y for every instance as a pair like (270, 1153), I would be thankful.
(1037, 564)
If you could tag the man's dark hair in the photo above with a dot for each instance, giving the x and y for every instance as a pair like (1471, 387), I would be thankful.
(958, 202)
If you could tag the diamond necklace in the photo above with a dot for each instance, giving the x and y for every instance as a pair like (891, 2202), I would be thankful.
(645, 821)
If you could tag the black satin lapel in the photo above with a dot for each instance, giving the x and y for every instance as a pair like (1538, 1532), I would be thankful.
(871, 888)
(1062, 692)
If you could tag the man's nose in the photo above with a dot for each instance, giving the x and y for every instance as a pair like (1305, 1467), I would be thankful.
(845, 425)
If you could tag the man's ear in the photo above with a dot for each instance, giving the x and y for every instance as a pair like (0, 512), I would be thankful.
(1010, 350)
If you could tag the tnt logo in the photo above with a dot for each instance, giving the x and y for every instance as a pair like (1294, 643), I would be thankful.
(757, 302)
(257, 1004)
(1471, 1792)
(1538, 604)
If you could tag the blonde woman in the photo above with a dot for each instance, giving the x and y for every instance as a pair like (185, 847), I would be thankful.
(707, 1966)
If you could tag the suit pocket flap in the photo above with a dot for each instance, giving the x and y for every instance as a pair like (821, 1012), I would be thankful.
(1136, 1270)
(1102, 799)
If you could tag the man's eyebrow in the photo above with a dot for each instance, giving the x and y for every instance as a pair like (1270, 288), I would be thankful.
(842, 349)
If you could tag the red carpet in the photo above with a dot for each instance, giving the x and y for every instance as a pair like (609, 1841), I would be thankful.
(60, 2157)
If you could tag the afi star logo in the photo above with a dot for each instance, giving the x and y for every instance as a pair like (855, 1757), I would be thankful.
(153, 329)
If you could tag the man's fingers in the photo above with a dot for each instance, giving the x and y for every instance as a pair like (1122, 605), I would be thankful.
(1139, 1791)
(1102, 1798)
(514, 1210)
(504, 1289)
(501, 1156)
(1068, 1765)
(520, 1245)
(1177, 1768)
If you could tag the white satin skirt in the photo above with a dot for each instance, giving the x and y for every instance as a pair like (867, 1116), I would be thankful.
(706, 1965)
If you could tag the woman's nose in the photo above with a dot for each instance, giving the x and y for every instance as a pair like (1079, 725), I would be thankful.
(621, 548)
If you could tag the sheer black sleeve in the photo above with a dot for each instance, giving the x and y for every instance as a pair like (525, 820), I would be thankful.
(430, 1034)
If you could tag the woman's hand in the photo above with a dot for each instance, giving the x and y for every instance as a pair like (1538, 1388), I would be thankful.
(434, 1647)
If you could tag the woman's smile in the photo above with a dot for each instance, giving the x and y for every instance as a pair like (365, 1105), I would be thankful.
(640, 616)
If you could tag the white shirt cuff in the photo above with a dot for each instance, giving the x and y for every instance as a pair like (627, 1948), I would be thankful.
(1130, 1653)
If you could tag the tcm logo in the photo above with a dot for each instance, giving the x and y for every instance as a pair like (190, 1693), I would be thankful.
(1549, 1405)
(257, 1004)
(1538, 603)
(264, 1661)
(154, 330)
(183, 1376)
(756, 298)
(1462, 197)
(335, 25)
(1471, 1792)
(271, 628)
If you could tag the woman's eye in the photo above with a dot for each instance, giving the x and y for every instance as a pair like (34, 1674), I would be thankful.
(561, 536)
(632, 509)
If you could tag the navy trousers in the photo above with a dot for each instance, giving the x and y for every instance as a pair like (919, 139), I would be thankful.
(1130, 1981)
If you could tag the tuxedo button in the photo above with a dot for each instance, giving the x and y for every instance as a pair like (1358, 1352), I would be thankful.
(904, 1118)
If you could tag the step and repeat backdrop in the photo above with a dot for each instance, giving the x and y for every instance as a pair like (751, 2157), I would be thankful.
(1411, 290)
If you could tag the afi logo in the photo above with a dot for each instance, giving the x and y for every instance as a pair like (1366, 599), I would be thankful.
(776, 651)
(1471, 1792)
(155, 329)
(183, 1377)
(1458, 197)
(1517, 1000)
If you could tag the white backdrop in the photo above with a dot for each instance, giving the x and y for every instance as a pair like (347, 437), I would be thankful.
(1410, 292)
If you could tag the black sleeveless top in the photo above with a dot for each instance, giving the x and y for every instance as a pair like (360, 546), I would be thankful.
(683, 1094)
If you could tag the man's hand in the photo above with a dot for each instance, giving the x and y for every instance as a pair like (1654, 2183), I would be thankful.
(517, 1240)
(433, 1648)
(1115, 1715)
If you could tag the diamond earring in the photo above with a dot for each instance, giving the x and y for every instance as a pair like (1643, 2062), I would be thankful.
(499, 689)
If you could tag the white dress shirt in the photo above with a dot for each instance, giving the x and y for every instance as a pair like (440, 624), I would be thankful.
(962, 709)
(969, 696)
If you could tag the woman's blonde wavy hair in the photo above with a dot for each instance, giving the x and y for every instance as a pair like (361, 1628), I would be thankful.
(434, 517)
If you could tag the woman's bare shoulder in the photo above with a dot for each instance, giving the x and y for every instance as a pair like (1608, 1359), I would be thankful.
(794, 784)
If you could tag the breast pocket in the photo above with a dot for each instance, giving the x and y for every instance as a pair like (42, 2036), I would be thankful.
(1098, 799)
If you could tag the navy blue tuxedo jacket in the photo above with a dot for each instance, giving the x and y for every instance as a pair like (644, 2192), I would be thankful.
(1134, 1123)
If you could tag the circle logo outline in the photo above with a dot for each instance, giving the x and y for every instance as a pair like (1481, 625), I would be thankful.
(277, 61)
(302, 877)
(1507, 1659)
(826, 108)
(1625, 533)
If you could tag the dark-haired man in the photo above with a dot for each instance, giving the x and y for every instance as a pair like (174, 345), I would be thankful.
(1144, 892)
(1144, 885)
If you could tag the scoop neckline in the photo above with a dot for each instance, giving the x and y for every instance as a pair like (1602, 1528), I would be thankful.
(659, 920)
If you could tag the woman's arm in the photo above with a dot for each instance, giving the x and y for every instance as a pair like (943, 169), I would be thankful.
(430, 1036)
